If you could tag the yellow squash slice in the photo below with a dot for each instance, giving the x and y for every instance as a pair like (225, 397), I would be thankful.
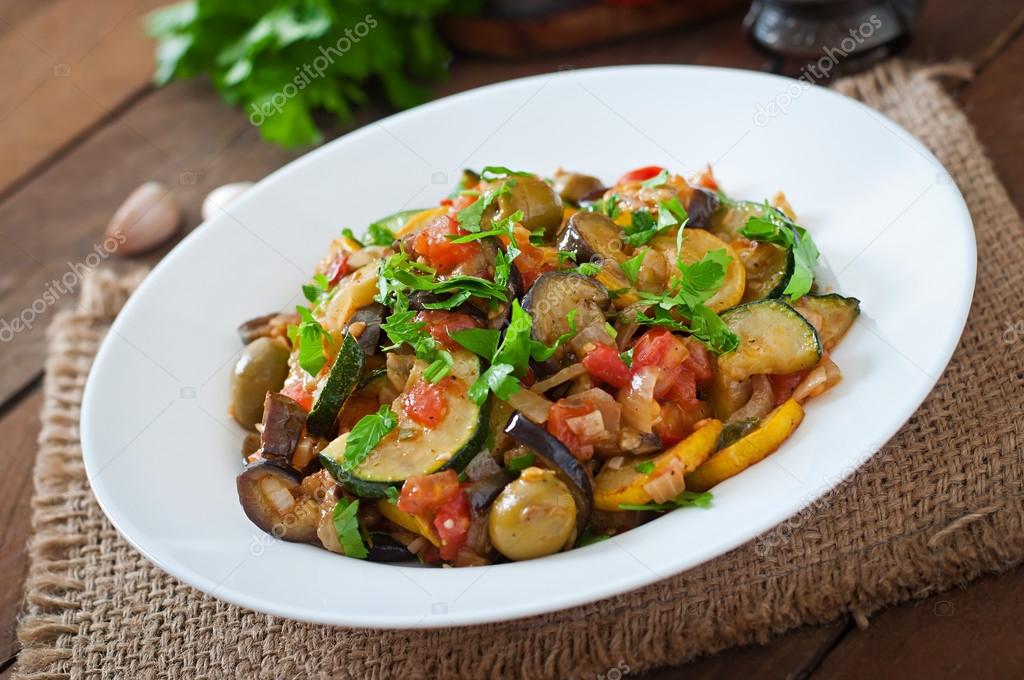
(776, 428)
(626, 484)
(413, 523)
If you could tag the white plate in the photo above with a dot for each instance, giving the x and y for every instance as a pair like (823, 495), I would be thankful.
(162, 454)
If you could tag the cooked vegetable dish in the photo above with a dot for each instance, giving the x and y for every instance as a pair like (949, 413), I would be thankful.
(531, 366)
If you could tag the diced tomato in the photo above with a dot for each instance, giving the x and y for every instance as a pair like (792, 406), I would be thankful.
(559, 415)
(698, 361)
(339, 268)
(297, 392)
(441, 324)
(783, 385)
(447, 202)
(433, 244)
(641, 174)
(427, 493)
(604, 363)
(452, 523)
(707, 180)
(425, 403)
(532, 260)
(667, 352)
(530, 378)
(673, 426)
(684, 390)
(463, 201)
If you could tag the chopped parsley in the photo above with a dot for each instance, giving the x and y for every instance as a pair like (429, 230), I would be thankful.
(493, 172)
(627, 357)
(365, 436)
(686, 499)
(379, 234)
(589, 538)
(521, 462)
(347, 233)
(392, 494)
(469, 217)
(316, 290)
(609, 207)
(658, 180)
(775, 227)
(309, 337)
(400, 274)
(631, 267)
(509, 356)
(346, 525)
(402, 327)
(645, 468)
(588, 269)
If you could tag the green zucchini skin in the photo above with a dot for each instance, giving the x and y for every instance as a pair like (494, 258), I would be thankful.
(342, 379)
(395, 221)
(837, 314)
(463, 450)
(774, 339)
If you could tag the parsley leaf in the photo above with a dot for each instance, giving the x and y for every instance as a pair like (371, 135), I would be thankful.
(684, 500)
(645, 468)
(609, 207)
(309, 335)
(588, 269)
(379, 234)
(493, 172)
(589, 538)
(392, 493)
(775, 227)
(521, 462)
(402, 327)
(642, 228)
(480, 341)
(469, 217)
(658, 180)
(346, 525)
(365, 436)
(627, 357)
(631, 267)
(347, 233)
(399, 274)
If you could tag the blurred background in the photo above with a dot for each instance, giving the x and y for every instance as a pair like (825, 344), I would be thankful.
(102, 98)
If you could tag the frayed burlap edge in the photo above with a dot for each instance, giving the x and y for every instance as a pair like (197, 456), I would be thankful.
(967, 529)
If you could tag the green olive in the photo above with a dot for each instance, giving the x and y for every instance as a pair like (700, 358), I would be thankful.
(533, 516)
(262, 368)
(574, 187)
(541, 206)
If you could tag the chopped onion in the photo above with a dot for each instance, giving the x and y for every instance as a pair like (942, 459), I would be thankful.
(761, 402)
(825, 376)
(594, 334)
(530, 404)
(611, 411)
(399, 369)
(639, 409)
(416, 545)
(566, 374)
(589, 427)
(277, 494)
(615, 463)
(668, 484)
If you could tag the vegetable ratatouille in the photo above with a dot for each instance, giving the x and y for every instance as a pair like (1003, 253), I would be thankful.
(531, 366)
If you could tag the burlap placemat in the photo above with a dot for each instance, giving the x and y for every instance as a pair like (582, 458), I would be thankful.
(941, 504)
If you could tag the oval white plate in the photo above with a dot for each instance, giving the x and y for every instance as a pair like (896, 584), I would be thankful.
(162, 454)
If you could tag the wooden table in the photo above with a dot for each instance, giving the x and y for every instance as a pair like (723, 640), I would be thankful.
(82, 127)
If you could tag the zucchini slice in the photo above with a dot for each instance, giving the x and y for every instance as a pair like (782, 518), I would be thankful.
(411, 450)
(344, 375)
(769, 268)
(832, 315)
(696, 244)
(774, 338)
(732, 215)
(395, 222)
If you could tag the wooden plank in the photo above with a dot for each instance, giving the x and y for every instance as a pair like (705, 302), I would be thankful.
(791, 655)
(948, 29)
(973, 632)
(65, 67)
(18, 430)
(994, 102)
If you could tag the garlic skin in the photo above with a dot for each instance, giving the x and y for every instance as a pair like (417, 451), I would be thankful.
(148, 217)
(219, 199)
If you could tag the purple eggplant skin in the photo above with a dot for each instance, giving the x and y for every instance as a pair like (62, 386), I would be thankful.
(298, 525)
(556, 457)
(268, 325)
(283, 423)
(702, 205)
(387, 549)
(575, 187)
(550, 300)
(482, 492)
(591, 237)
(372, 316)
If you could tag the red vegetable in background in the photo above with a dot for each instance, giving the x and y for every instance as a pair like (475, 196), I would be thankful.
(641, 174)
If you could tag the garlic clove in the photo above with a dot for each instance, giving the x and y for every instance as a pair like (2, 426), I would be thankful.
(221, 197)
(148, 217)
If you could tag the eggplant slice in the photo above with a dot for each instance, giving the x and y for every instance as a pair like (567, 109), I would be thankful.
(283, 423)
(592, 237)
(271, 498)
(553, 296)
(702, 205)
(267, 326)
(556, 457)
(371, 316)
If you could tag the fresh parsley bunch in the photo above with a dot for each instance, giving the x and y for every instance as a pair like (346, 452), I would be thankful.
(281, 60)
